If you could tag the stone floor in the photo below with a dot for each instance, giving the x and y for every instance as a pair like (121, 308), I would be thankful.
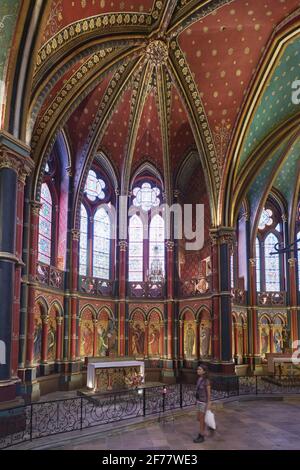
(248, 425)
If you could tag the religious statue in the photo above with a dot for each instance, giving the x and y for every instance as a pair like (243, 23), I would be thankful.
(138, 339)
(190, 341)
(37, 340)
(87, 340)
(51, 341)
(277, 341)
(286, 336)
(264, 341)
(102, 344)
(205, 333)
(154, 340)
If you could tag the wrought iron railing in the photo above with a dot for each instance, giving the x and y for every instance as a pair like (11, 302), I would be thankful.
(30, 422)
(146, 290)
(50, 276)
(194, 287)
(271, 298)
(95, 286)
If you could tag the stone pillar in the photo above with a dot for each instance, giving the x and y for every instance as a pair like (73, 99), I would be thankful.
(33, 260)
(74, 298)
(253, 330)
(14, 163)
(45, 320)
(123, 245)
(181, 355)
(245, 342)
(59, 322)
(293, 298)
(198, 352)
(168, 370)
(222, 241)
(215, 300)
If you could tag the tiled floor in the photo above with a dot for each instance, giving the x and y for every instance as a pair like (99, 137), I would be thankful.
(255, 425)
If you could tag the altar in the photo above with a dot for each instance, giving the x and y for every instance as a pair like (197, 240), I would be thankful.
(281, 364)
(104, 374)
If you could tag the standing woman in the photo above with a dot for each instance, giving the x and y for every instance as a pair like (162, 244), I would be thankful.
(203, 394)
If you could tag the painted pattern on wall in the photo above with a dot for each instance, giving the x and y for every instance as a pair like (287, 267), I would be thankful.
(276, 103)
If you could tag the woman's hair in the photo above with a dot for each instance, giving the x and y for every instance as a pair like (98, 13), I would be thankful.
(205, 368)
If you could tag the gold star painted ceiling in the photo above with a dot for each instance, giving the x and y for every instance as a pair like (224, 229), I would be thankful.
(154, 80)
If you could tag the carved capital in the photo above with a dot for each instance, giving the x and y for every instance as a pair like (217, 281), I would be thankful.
(123, 245)
(23, 166)
(292, 262)
(252, 262)
(223, 235)
(35, 207)
(170, 245)
(75, 234)
(45, 319)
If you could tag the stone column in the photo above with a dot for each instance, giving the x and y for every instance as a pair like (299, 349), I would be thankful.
(35, 208)
(293, 298)
(59, 322)
(74, 298)
(95, 323)
(254, 351)
(123, 245)
(14, 163)
(45, 320)
(222, 239)
(168, 370)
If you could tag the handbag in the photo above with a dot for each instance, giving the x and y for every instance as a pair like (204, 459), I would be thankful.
(210, 420)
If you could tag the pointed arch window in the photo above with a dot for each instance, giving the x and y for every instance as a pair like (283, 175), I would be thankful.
(101, 244)
(258, 267)
(269, 267)
(272, 266)
(96, 227)
(45, 226)
(83, 247)
(136, 249)
(157, 247)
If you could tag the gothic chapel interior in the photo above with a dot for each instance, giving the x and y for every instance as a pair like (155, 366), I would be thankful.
(116, 117)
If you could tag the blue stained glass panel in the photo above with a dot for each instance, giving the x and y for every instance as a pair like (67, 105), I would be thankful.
(45, 225)
(101, 244)
(272, 266)
(257, 250)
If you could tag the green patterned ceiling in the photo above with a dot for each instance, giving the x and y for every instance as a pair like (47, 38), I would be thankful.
(276, 103)
(8, 17)
(261, 181)
(288, 175)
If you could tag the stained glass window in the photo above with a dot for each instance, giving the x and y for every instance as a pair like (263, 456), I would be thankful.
(272, 267)
(157, 247)
(83, 253)
(45, 226)
(266, 219)
(146, 197)
(257, 258)
(101, 246)
(94, 187)
(136, 233)
(231, 271)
